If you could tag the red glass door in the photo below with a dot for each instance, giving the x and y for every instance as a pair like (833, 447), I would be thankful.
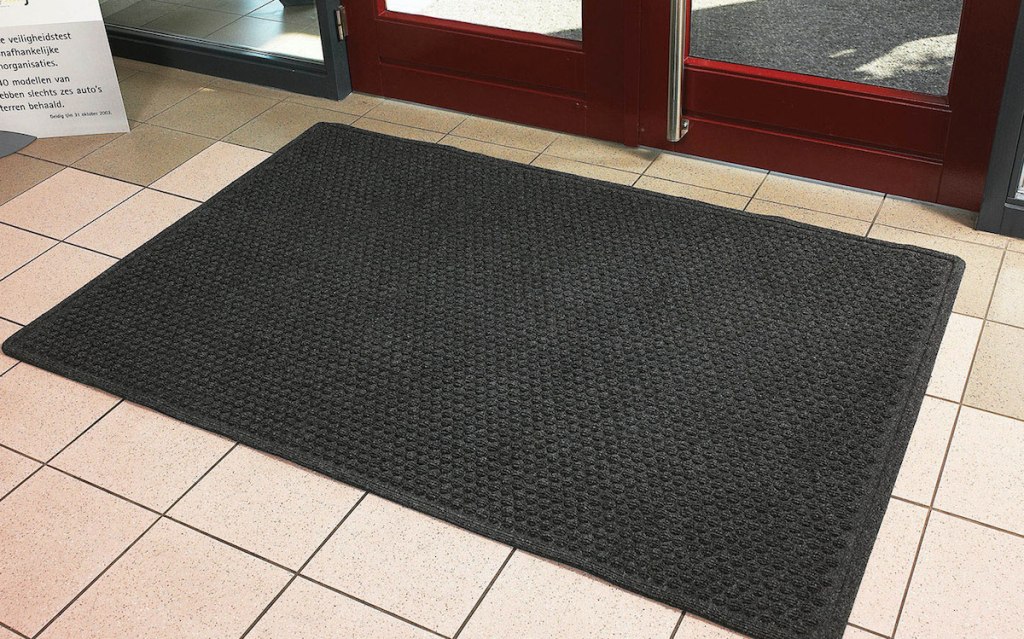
(899, 96)
(556, 64)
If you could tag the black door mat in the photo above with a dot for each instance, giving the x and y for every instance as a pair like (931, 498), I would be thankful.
(700, 405)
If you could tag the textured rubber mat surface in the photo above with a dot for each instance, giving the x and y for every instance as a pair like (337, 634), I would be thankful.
(703, 406)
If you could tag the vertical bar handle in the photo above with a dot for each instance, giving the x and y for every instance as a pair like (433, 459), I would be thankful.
(677, 126)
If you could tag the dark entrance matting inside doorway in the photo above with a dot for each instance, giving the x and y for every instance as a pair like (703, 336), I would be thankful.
(700, 405)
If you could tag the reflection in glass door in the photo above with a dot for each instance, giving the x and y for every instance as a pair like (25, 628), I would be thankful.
(557, 18)
(286, 28)
(900, 44)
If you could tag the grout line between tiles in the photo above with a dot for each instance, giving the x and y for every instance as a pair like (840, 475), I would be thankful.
(18, 633)
(679, 622)
(944, 237)
(84, 431)
(979, 523)
(868, 630)
(159, 516)
(27, 477)
(96, 578)
(483, 595)
(942, 468)
(163, 515)
(91, 250)
(146, 121)
(874, 218)
(504, 146)
(371, 605)
(907, 500)
(247, 122)
(119, 134)
(305, 563)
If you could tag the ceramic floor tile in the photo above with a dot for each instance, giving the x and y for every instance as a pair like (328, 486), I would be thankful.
(505, 133)
(191, 22)
(187, 584)
(995, 382)
(127, 226)
(309, 611)
(607, 154)
(892, 559)
(534, 597)
(709, 174)
(48, 279)
(144, 155)
(124, 67)
(414, 115)
(197, 79)
(213, 113)
(935, 220)
(19, 248)
(6, 330)
(486, 148)
(857, 633)
(1016, 244)
(982, 265)
(142, 455)
(818, 196)
(1008, 298)
(8, 634)
(968, 582)
(689, 191)
(984, 474)
(41, 412)
(693, 627)
(919, 473)
(271, 507)
(58, 535)
(14, 468)
(281, 124)
(354, 103)
(956, 352)
(65, 203)
(594, 171)
(415, 566)
(210, 171)
(251, 89)
(22, 173)
(807, 216)
(146, 94)
(67, 150)
(397, 130)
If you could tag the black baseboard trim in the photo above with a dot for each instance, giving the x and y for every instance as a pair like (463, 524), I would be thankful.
(223, 61)
(1009, 222)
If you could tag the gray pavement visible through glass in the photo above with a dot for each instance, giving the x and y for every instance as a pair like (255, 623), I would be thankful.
(903, 44)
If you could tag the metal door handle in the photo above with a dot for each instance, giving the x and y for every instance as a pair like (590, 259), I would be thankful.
(677, 126)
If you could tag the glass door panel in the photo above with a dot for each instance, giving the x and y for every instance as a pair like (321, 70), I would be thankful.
(557, 18)
(288, 28)
(900, 44)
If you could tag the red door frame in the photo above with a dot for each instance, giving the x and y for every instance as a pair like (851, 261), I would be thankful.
(925, 147)
(530, 78)
(613, 86)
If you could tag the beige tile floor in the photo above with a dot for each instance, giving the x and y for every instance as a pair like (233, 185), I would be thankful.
(119, 522)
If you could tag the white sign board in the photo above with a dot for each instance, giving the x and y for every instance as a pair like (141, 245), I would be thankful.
(56, 72)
